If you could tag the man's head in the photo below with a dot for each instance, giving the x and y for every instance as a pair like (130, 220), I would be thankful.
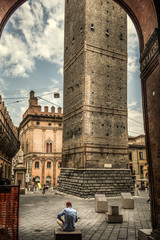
(68, 204)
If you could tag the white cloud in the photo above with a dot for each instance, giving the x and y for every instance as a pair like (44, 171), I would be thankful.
(3, 84)
(55, 81)
(15, 58)
(135, 120)
(49, 100)
(133, 104)
(37, 34)
(133, 50)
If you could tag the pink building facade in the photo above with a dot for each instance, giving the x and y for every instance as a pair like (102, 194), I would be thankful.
(41, 142)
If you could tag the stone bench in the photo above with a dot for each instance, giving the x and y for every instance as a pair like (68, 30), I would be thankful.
(127, 201)
(101, 203)
(113, 216)
(61, 235)
(144, 234)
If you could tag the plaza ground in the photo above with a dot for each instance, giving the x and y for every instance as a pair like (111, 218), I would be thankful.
(38, 215)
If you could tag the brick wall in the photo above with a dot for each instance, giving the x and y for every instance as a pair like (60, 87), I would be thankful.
(95, 85)
(87, 182)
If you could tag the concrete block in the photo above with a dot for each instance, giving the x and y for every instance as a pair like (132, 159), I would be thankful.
(99, 195)
(101, 204)
(127, 200)
(144, 234)
(113, 218)
(61, 235)
(114, 210)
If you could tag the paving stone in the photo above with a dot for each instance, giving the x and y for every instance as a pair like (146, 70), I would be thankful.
(39, 213)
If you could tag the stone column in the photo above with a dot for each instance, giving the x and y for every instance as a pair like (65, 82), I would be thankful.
(43, 180)
(54, 172)
(150, 78)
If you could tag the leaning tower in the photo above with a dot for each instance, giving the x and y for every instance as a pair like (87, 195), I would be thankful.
(95, 88)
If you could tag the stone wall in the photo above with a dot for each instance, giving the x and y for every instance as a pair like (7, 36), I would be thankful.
(95, 85)
(87, 182)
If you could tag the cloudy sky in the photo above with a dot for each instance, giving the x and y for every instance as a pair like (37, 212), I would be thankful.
(31, 52)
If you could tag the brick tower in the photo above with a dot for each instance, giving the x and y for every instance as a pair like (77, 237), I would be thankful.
(95, 88)
(95, 85)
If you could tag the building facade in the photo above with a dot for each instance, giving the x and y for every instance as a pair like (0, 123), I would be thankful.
(9, 144)
(41, 142)
(95, 85)
(137, 157)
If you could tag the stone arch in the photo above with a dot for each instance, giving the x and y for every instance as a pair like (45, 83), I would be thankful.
(146, 16)
(37, 179)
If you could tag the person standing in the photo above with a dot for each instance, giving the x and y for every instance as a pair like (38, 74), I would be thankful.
(70, 218)
(44, 189)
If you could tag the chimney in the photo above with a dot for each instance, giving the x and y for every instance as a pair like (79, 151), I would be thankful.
(59, 109)
(46, 109)
(53, 109)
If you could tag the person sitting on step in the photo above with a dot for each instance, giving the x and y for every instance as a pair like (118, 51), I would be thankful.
(70, 218)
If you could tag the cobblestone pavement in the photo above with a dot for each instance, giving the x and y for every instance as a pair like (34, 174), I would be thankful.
(38, 217)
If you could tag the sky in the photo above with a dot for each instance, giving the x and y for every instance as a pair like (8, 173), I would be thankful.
(31, 52)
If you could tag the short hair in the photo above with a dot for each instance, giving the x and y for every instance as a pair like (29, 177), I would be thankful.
(68, 204)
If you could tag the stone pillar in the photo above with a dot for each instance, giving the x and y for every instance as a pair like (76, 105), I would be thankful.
(43, 180)
(20, 172)
(150, 78)
(54, 172)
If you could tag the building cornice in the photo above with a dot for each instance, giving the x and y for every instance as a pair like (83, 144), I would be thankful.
(40, 118)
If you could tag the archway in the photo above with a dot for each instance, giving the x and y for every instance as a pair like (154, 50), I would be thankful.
(146, 17)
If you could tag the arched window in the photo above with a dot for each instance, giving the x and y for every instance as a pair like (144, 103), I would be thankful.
(37, 179)
(48, 164)
(59, 164)
(36, 164)
(48, 181)
(49, 147)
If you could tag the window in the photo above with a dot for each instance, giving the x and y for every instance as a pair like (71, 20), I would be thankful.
(130, 156)
(37, 179)
(5, 171)
(49, 147)
(141, 169)
(59, 164)
(48, 181)
(9, 172)
(140, 155)
(26, 146)
(48, 164)
(36, 164)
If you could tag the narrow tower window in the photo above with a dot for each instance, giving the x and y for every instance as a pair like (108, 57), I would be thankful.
(107, 32)
(73, 40)
(121, 36)
(92, 27)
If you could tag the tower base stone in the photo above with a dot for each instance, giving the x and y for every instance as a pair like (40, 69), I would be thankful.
(86, 183)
